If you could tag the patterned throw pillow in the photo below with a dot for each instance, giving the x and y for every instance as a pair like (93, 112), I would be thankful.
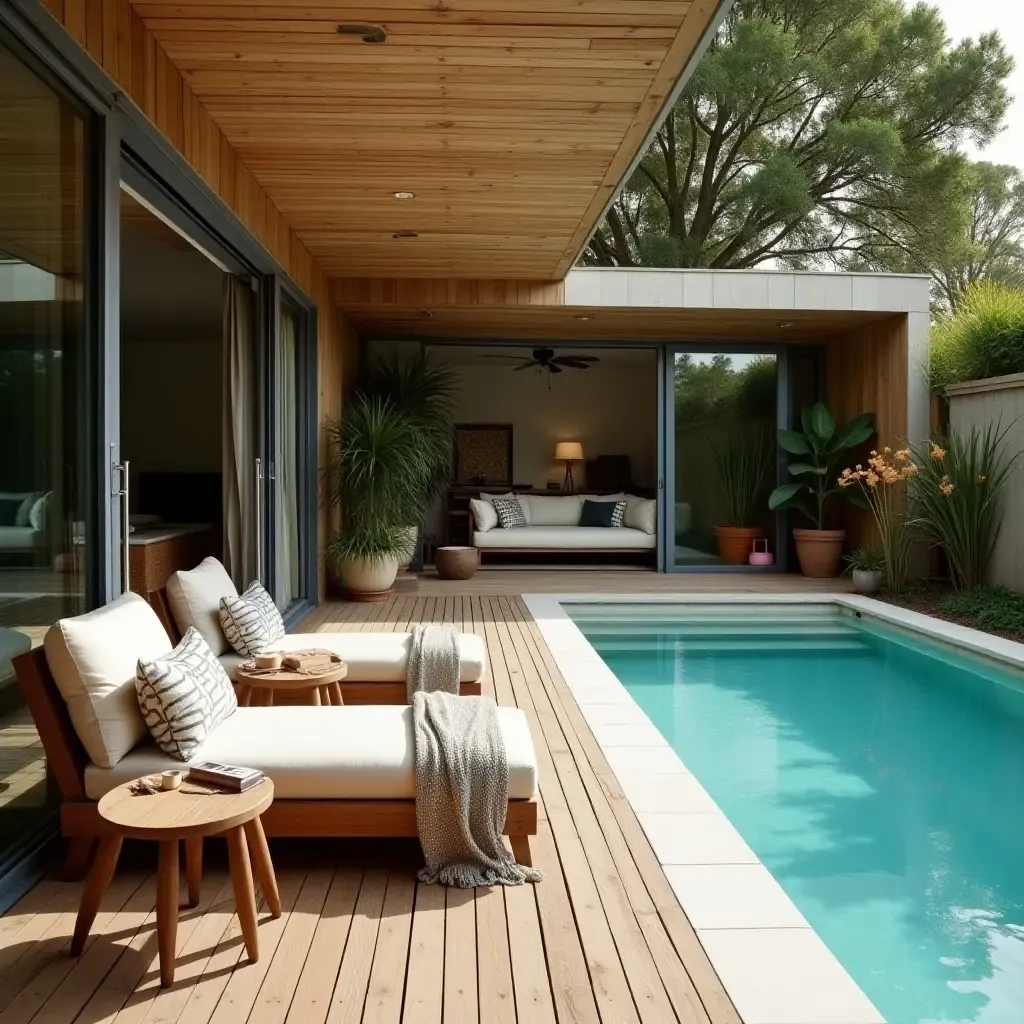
(619, 513)
(184, 695)
(510, 513)
(251, 621)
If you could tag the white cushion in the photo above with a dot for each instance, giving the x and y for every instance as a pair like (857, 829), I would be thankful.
(39, 511)
(484, 516)
(324, 753)
(93, 658)
(551, 511)
(194, 597)
(567, 538)
(184, 696)
(18, 538)
(251, 621)
(642, 514)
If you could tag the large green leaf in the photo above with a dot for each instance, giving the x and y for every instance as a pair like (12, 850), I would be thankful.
(793, 442)
(818, 425)
(855, 432)
(784, 494)
(856, 497)
(799, 468)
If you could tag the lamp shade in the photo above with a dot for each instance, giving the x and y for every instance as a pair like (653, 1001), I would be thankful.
(569, 450)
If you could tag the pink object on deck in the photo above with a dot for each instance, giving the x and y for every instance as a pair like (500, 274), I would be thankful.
(761, 556)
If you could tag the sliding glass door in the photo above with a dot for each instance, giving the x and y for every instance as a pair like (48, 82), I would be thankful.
(721, 414)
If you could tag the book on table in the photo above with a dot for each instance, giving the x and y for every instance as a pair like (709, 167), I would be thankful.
(227, 776)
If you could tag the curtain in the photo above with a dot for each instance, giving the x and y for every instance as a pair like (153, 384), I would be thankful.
(288, 472)
(239, 437)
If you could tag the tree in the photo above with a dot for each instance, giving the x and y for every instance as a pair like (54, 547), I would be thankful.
(805, 125)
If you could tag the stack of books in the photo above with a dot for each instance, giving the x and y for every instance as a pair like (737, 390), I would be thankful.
(225, 776)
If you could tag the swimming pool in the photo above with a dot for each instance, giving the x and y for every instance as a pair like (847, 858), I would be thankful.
(877, 775)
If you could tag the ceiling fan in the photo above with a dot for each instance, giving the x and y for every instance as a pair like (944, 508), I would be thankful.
(545, 359)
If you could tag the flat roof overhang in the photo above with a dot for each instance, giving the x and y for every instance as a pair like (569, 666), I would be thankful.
(513, 122)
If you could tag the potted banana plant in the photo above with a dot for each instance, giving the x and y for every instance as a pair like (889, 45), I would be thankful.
(818, 451)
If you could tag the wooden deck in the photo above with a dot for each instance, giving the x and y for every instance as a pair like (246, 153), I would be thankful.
(602, 938)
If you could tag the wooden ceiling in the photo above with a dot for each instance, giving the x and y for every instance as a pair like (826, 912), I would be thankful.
(512, 121)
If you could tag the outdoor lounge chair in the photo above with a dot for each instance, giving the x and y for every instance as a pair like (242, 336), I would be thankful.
(376, 661)
(337, 771)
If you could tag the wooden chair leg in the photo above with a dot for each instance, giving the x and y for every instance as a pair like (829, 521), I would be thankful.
(263, 866)
(77, 859)
(167, 909)
(245, 896)
(194, 869)
(521, 850)
(99, 879)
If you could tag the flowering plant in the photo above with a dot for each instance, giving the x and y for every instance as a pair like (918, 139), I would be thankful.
(882, 483)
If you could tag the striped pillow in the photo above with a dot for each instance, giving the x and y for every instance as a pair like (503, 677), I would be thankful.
(251, 621)
(619, 513)
(510, 513)
(184, 695)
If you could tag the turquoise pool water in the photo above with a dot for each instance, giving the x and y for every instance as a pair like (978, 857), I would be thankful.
(879, 777)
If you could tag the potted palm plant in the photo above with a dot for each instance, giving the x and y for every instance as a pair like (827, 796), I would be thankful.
(743, 458)
(379, 471)
(819, 448)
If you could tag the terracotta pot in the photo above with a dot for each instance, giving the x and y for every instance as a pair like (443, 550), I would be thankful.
(867, 581)
(736, 542)
(819, 551)
(364, 580)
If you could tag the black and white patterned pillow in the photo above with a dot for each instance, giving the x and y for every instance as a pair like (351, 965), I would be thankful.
(184, 695)
(251, 621)
(510, 513)
(619, 513)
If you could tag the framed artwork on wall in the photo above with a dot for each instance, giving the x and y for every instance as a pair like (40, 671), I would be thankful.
(483, 454)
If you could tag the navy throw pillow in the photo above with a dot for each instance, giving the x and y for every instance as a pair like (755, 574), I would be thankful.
(597, 513)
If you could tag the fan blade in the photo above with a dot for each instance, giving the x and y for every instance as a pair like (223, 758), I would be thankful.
(573, 364)
(515, 359)
(526, 366)
(583, 359)
(554, 368)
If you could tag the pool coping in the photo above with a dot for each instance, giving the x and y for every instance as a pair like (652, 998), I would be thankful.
(775, 967)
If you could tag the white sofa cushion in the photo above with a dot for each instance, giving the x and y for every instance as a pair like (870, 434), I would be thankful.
(546, 510)
(93, 658)
(251, 621)
(19, 538)
(642, 514)
(567, 538)
(184, 696)
(484, 516)
(325, 753)
(194, 596)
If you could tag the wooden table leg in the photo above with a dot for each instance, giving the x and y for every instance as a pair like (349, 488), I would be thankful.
(262, 865)
(194, 869)
(245, 896)
(336, 697)
(244, 696)
(313, 696)
(96, 885)
(167, 908)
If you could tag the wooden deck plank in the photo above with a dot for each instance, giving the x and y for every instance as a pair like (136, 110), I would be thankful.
(424, 985)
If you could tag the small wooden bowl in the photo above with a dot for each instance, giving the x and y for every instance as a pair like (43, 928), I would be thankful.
(268, 660)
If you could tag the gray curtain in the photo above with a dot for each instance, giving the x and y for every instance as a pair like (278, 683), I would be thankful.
(240, 438)
(288, 470)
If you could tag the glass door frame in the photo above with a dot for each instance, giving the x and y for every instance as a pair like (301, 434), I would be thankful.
(667, 450)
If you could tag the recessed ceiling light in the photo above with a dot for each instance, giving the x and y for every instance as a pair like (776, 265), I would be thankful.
(785, 323)
(406, 234)
(584, 319)
(405, 195)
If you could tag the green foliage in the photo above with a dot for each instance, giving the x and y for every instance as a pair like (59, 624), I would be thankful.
(743, 457)
(983, 337)
(712, 391)
(991, 608)
(819, 449)
(955, 497)
(817, 131)
(867, 559)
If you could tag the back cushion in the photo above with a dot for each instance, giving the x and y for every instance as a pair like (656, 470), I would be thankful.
(642, 514)
(561, 511)
(93, 659)
(194, 597)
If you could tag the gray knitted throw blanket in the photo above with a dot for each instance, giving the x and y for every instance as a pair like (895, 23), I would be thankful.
(462, 792)
(433, 659)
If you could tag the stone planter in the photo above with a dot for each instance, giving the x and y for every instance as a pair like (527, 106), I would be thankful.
(366, 580)
(867, 581)
(456, 563)
(819, 551)
(735, 543)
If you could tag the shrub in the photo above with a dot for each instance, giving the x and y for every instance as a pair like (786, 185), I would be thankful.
(987, 608)
(982, 337)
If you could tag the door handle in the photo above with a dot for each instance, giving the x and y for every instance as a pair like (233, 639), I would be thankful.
(120, 489)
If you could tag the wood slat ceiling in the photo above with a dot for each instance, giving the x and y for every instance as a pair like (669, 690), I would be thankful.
(512, 121)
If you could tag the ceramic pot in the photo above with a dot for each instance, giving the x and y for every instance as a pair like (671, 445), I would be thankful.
(365, 580)
(819, 551)
(408, 552)
(867, 581)
(736, 542)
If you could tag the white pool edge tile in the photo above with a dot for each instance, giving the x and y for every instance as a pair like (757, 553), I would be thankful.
(574, 656)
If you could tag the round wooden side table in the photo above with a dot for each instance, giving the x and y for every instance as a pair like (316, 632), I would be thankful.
(456, 563)
(167, 817)
(258, 688)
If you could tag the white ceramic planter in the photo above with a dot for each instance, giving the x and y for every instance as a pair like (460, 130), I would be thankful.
(867, 581)
(366, 580)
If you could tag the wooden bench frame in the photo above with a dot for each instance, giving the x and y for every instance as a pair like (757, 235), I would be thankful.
(353, 691)
(82, 825)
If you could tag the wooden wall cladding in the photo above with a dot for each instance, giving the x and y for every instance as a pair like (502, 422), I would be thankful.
(116, 37)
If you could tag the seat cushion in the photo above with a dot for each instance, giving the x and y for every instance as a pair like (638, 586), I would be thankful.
(545, 510)
(325, 753)
(567, 538)
(19, 538)
(194, 596)
(93, 658)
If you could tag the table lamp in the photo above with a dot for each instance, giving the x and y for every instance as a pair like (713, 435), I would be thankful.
(568, 452)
